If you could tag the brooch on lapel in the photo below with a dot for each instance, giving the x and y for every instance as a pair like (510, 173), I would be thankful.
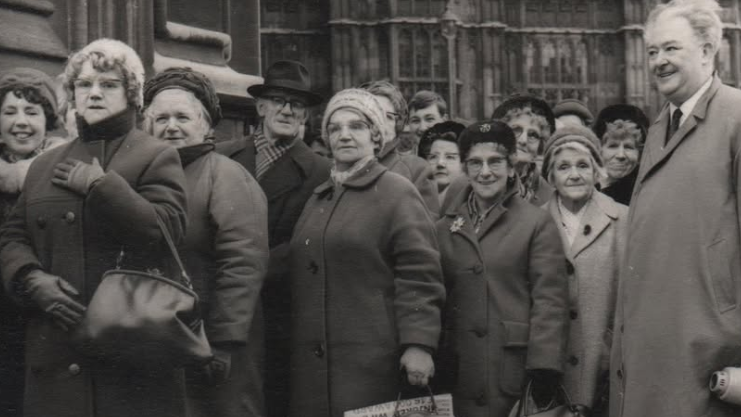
(457, 224)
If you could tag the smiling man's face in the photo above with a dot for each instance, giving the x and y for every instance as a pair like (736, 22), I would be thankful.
(679, 62)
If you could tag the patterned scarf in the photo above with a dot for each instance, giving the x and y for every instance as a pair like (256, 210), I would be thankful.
(529, 182)
(473, 211)
(268, 153)
(339, 178)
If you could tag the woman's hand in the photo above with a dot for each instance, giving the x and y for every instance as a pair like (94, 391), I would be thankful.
(77, 175)
(53, 295)
(418, 364)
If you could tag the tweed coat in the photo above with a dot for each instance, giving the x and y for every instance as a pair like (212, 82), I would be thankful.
(507, 307)
(416, 170)
(226, 254)
(366, 282)
(287, 185)
(593, 267)
(79, 238)
(678, 315)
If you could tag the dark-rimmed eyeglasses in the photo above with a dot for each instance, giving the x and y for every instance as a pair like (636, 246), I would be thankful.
(282, 101)
(496, 163)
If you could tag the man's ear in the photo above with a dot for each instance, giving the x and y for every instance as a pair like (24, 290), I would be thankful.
(445, 117)
(708, 53)
(261, 107)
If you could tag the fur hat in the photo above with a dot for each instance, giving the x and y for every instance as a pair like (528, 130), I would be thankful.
(361, 101)
(189, 80)
(571, 133)
(492, 131)
(535, 104)
(20, 78)
(625, 112)
(575, 107)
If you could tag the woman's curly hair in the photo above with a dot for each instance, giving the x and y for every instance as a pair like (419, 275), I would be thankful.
(31, 95)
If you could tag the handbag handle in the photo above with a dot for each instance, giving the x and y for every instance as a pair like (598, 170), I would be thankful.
(432, 398)
(523, 409)
(174, 251)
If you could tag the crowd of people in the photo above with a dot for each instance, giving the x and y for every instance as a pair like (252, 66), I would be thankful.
(396, 249)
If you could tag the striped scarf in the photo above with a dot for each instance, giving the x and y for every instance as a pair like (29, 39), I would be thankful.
(268, 153)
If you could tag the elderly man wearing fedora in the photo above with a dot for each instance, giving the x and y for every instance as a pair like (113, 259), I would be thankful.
(288, 171)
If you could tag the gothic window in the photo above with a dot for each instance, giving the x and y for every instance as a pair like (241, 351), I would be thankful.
(567, 71)
(424, 8)
(530, 64)
(580, 63)
(423, 60)
(555, 67)
(725, 58)
(550, 63)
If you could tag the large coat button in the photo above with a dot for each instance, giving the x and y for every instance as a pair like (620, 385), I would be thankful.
(573, 314)
(569, 268)
(41, 222)
(481, 400)
(69, 217)
(477, 269)
(74, 369)
(479, 333)
(313, 267)
(573, 360)
(319, 350)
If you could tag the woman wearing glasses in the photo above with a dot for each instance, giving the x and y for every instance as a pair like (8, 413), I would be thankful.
(365, 272)
(82, 204)
(507, 312)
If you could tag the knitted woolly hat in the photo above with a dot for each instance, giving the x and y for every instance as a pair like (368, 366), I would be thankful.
(492, 131)
(361, 101)
(30, 78)
(570, 133)
(189, 80)
(575, 107)
(625, 112)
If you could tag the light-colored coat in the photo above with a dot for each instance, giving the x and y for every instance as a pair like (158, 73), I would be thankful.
(678, 315)
(507, 307)
(366, 282)
(593, 267)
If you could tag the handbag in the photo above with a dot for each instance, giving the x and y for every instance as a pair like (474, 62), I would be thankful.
(558, 407)
(144, 319)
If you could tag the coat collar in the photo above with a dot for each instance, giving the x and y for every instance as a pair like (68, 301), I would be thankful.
(362, 179)
(656, 153)
(289, 172)
(459, 208)
(601, 211)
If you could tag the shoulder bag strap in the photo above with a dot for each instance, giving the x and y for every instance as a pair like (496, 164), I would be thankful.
(166, 233)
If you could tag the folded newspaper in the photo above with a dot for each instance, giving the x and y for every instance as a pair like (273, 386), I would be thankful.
(413, 407)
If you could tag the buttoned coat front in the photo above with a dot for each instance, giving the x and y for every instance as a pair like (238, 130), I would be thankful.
(679, 318)
(593, 267)
(366, 282)
(79, 238)
(507, 308)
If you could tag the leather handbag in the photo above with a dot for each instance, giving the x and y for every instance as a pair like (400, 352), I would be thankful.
(144, 319)
(560, 406)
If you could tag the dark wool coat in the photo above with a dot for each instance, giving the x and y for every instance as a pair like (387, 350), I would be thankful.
(507, 308)
(79, 238)
(366, 282)
(416, 170)
(287, 185)
(593, 267)
(226, 254)
(679, 317)
(622, 189)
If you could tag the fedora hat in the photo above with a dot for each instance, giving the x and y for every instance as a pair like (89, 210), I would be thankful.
(289, 76)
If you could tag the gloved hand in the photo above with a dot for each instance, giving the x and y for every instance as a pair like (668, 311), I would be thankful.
(218, 370)
(77, 175)
(418, 364)
(545, 385)
(53, 295)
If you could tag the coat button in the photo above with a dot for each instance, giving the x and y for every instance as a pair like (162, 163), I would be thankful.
(573, 314)
(477, 269)
(622, 328)
(313, 267)
(74, 369)
(69, 217)
(479, 333)
(41, 222)
(481, 400)
(319, 350)
(620, 373)
(573, 360)
(569, 268)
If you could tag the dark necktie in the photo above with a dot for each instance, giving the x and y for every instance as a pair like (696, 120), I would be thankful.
(674, 126)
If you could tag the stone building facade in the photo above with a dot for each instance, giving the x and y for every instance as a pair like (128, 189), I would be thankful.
(477, 52)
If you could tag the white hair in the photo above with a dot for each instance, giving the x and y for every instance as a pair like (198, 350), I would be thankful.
(702, 15)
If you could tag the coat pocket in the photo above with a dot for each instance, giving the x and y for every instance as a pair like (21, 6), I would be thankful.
(514, 356)
(719, 266)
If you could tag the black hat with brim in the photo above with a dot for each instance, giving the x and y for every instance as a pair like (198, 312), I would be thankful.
(290, 77)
